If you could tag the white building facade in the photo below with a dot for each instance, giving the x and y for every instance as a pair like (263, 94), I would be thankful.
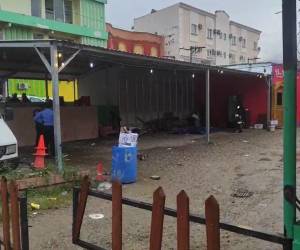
(219, 40)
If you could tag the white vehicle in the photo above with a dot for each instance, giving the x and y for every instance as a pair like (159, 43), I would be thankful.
(8, 142)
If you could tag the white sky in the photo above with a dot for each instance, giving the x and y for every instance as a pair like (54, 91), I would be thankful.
(258, 14)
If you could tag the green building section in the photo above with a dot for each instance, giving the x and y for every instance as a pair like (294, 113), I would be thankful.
(88, 24)
(35, 87)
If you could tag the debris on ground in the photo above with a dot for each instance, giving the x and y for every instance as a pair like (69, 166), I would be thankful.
(246, 155)
(265, 159)
(242, 193)
(245, 141)
(104, 186)
(155, 177)
(169, 148)
(93, 144)
(142, 157)
(35, 206)
(96, 216)
(64, 193)
(52, 198)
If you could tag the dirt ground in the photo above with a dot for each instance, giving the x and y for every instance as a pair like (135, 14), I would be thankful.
(249, 161)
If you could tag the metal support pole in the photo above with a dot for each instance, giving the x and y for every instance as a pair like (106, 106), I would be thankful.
(289, 9)
(269, 86)
(207, 98)
(24, 222)
(56, 107)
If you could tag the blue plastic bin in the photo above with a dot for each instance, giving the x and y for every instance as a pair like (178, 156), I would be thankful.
(124, 164)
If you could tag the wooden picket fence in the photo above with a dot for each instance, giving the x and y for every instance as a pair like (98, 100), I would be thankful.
(15, 229)
(212, 214)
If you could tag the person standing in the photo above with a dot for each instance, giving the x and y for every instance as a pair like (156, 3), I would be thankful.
(47, 118)
(39, 127)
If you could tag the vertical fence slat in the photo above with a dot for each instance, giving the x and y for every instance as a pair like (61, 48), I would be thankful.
(117, 216)
(157, 220)
(15, 215)
(212, 216)
(5, 214)
(183, 223)
(83, 195)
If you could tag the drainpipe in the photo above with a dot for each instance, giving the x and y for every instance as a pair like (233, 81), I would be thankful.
(290, 77)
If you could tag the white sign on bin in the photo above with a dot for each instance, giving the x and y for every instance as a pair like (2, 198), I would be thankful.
(128, 139)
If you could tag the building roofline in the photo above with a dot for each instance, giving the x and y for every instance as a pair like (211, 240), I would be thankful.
(130, 31)
(203, 12)
(245, 27)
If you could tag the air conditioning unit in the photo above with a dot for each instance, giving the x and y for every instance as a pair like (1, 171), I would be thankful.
(22, 86)
(200, 26)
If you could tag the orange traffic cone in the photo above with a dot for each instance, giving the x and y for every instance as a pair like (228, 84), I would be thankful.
(100, 176)
(39, 162)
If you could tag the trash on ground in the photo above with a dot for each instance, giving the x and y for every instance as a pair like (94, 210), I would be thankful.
(169, 148)
(35, 206)
(64, 193)
(34, 213)
(142, 157)
(93, 144)
(96, 216)
(265, 159)
(155, 177)
(242, 193)
(104, 186)
(52, 198)
(245, 141)
(246, 155)
(65, 155)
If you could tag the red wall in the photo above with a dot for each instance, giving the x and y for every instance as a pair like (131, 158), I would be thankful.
(253, 91)
(114, 43)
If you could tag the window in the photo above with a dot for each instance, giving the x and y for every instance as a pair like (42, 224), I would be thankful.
(122, 47)
(244, 43)
(220, 35)
(68, 11)
(49, 9)
(138, 49)
(59, 10)
(224, 54)
(242, 59)
(209, 34)
(255, 45)
(38, 36)
(36, 8)
(279, 99)
(233, 40)
(224, 35)
(1, 35)
(154, 52)
(194, 29)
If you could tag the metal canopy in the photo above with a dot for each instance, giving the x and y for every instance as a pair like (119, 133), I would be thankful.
(21, 57)
(35, 59)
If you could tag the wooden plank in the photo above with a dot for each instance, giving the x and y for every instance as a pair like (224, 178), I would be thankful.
(157, 221)
(15, 215)
(183, 223)
(212, 215)
(83, 195)
(117, 216)
(5, 214)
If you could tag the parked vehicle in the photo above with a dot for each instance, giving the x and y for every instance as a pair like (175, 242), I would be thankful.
(8, 143)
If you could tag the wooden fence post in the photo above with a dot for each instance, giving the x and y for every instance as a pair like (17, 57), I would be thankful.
(5, 214)
(183, 223)
(116, 216)
(157, 221)
(15, 215)
(212, 216)
(83, 195)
